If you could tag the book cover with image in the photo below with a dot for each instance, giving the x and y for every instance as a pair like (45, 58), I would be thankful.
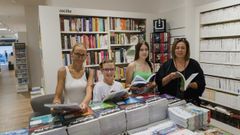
(139, 81)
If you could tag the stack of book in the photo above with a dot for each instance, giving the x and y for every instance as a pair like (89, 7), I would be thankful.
(189, 116)
(36, 92)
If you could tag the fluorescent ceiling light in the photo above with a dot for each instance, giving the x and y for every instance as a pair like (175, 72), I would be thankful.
(3, 29)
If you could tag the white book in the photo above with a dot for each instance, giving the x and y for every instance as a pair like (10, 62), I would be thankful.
(184, 82)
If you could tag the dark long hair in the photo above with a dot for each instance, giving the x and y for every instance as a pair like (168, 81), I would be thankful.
(137, 50)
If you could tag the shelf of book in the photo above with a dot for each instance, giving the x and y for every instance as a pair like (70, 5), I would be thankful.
(20, 51)
(160, 48)
(94, 28)
(214, 102)
(219, 48)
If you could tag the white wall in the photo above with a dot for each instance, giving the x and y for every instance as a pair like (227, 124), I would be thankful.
(33, 45)
(22, 37)
(144, 6)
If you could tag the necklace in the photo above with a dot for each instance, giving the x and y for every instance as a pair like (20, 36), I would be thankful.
(179, 66)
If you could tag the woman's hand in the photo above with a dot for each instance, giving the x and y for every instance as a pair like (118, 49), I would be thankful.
(83, 106)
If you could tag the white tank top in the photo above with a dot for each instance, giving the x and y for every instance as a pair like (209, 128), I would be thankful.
(75, 89)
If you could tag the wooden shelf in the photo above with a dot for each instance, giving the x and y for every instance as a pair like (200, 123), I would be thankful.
(127, 31)
(81, 32)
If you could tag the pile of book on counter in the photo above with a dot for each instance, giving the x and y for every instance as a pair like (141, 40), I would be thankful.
(189, 116)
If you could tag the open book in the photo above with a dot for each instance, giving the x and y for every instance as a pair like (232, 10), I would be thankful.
(116, 96)
(184, 83)
(71, 106)
(138, 81)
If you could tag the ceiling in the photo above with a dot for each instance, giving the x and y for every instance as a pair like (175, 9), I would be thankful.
(12, 15)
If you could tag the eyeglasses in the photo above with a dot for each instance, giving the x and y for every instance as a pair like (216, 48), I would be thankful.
(180, 39)
(79, 55)
(108, 69)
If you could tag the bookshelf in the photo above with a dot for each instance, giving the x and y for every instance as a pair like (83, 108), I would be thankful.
(218, 39)
(20, 51)
(124, 34)
(76, 25)
(88, 30)
(160, 48)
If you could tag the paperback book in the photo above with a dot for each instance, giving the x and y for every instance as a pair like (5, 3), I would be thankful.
(139, 81)
(184, 83)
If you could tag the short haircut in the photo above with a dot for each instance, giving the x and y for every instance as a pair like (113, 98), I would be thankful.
(106, 61)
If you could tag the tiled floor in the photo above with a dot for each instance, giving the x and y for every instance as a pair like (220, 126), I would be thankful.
(15, 107)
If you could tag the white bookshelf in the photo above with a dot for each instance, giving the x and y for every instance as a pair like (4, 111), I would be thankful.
(52, 36)
(22, 77)
(218, 38)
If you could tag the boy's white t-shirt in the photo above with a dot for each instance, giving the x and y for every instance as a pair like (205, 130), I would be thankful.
(101, 90)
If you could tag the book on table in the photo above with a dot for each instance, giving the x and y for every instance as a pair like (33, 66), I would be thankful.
(185, 82)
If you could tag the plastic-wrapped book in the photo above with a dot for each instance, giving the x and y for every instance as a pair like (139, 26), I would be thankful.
(112, 123)
(90, 127)
(135, 117)
(157, 110)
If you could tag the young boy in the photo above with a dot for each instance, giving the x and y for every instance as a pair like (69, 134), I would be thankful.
(108, 85)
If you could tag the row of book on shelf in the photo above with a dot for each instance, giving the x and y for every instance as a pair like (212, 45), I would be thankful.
(226, 85)
(83, 24)
(232, 101)
(220, 30)
(226, 44)
(91, 41)
(220, 57)
(162, 37)
(96, 57)
(223, 14)
(86, 24)
(230, 71)
(124, 38)
(127, 24)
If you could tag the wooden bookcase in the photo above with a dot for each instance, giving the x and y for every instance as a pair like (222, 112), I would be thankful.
(219, 52)
(107, 34)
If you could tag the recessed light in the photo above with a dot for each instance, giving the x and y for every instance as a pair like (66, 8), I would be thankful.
(3, 29)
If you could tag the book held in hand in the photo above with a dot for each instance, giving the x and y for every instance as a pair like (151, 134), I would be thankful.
(139, 81)
(116, 96)
(184, 83)
(71, 106)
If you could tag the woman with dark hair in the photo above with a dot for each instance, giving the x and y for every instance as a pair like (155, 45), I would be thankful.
(168, 80)
(73, 82)
(141, 66)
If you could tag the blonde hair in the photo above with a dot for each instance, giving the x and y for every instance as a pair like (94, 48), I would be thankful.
(78, 45)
